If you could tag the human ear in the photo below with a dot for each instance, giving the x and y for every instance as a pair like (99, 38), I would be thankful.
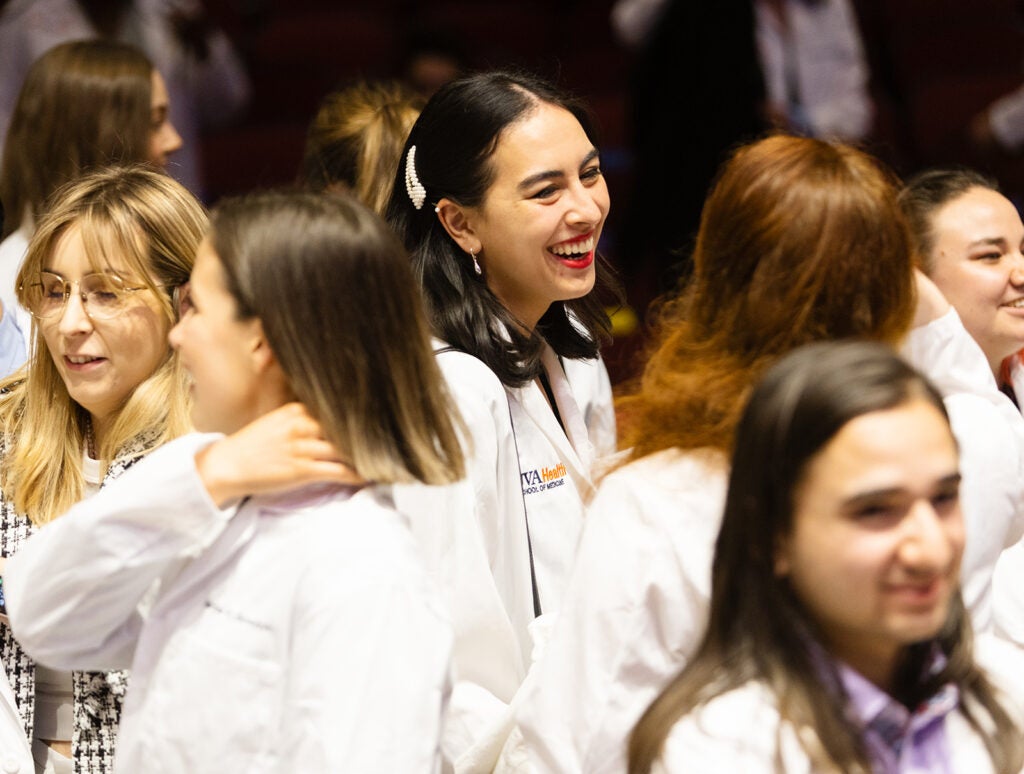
(457, 222)
(261, 355)
(266, 368)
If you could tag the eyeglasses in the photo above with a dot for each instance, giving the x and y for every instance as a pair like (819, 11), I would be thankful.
(103, 295)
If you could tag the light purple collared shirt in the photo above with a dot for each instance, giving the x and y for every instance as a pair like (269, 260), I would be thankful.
(899, 740)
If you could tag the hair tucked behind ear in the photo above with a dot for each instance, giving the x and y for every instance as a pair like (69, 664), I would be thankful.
(926, 193)
(455, 138)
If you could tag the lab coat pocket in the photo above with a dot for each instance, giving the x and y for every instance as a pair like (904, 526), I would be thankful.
(221, 689)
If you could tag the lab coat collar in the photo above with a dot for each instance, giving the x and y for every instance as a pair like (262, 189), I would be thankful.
(573, 443)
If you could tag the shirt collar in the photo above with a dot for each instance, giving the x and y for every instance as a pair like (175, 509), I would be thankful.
(887, 720)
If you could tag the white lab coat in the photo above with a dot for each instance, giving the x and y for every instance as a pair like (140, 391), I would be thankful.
(554, 470)
(637, 602)
(293, 633)
(740, 731)
(990, 432)
(636, 606)
(1008, 594)
(474, 539)
(592, 388)
(1008, 578)
(1017, 376)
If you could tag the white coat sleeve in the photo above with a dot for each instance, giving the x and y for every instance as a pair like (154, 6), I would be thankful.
(990, 432)
(369, 680)
(74, 589)
(988, 426)
(946, 353)
(1008, 595)
(635, 607)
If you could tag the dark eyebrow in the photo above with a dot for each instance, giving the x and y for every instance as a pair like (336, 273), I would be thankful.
(554, 174)
(994, 241)
(953, 479)
(594, 153)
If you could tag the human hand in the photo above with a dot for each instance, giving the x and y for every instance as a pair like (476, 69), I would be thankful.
(281, 450)
(931, 304)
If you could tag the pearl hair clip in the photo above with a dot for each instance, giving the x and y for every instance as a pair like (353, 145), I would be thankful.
(413, 186)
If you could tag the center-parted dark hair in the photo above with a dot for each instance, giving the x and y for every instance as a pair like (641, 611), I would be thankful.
(456, 136)
(926, 192)
(332, 288)
(758, 630)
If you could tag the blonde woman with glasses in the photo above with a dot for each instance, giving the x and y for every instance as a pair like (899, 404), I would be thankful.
(101, 390)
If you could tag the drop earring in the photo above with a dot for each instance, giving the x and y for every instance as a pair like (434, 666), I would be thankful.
(476, 264)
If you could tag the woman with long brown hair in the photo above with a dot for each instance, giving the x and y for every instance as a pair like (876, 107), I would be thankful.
(84, 105)
(837, 638)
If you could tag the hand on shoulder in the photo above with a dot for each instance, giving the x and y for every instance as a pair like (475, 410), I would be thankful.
(281, 450)
(931, 304)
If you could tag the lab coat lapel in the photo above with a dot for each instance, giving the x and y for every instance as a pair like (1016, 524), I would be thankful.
(573, 445)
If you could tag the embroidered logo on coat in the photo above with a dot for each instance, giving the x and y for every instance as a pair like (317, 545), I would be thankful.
(542, 479)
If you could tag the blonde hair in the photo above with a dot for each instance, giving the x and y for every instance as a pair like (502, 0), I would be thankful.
(153, 225)
(356, 139)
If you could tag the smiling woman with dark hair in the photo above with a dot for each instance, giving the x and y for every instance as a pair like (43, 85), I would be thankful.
(970, 241)
(501, 202)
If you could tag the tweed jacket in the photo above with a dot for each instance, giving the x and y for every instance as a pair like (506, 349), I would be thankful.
(97, 695)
